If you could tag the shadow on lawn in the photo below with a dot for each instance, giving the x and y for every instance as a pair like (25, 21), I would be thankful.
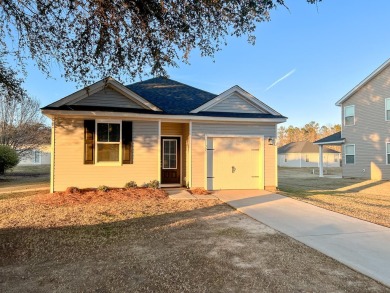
(20, 245)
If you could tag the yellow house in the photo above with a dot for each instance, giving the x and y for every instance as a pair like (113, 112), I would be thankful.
(160, 129)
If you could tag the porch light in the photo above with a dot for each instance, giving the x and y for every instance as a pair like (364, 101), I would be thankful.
(271, 141)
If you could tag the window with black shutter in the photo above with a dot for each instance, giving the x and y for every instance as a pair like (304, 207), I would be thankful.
(89, 141)
(127, 142)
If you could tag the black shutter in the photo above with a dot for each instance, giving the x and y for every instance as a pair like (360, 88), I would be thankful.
(89, 141)
(127, 142)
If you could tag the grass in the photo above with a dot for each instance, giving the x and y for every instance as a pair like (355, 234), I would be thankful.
(25, 177)
(364, 199)
(153, 244)
(29, 170)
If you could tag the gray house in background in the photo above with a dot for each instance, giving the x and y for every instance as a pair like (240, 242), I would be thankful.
(306, 154)
(365, 135)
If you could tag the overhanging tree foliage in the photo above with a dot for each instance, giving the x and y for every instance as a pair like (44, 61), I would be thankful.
(95, 38)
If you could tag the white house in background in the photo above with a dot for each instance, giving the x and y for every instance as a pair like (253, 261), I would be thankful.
(306, 154)
(39, 156)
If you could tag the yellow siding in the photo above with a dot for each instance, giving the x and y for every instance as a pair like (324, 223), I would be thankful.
(270, 179)
(168, 128)
(69, 167)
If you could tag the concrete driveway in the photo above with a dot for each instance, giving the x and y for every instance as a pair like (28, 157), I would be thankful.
(358, 244)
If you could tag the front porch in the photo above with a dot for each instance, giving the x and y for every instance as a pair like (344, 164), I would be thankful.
(335, 140)
(174, 170)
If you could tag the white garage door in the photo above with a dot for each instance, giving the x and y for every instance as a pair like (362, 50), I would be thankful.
(233, 163)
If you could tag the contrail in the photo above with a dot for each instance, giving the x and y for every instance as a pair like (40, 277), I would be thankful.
(280, 79)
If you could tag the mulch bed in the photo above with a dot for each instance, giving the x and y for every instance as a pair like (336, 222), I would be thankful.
(74, 196)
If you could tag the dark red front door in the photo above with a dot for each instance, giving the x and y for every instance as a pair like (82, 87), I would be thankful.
(170, 160)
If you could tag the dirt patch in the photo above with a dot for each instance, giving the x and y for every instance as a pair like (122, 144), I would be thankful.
(154, 244)
(199, 191)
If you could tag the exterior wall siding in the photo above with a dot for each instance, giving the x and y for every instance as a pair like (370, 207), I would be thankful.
(299, 160)
(199, 132)
(234, 104)
(69, 167)
(371, 130)
(108, 98)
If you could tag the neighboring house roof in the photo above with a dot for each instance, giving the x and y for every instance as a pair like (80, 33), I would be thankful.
(364, 82)
(303, 147)
(162, 96)
(334, 138)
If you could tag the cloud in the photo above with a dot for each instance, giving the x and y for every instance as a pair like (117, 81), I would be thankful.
(280, 79)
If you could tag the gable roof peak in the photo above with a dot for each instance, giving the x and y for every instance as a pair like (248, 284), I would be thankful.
(364, 82)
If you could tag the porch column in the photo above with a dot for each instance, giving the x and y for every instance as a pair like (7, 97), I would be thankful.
(321, 161)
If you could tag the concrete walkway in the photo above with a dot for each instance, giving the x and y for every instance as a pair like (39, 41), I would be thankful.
(361, 245)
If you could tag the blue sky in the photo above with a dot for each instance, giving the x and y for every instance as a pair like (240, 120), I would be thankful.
(304, 60)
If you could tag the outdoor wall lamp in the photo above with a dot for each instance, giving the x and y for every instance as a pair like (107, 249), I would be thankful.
(271, 141)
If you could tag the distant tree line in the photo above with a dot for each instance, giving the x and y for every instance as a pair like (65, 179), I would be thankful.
(310, 132)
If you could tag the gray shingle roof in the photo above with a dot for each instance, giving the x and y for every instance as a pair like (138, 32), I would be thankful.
(171, 96)
(335, 137)
(303, 147)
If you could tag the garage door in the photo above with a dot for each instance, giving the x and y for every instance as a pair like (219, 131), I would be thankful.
(233, 163)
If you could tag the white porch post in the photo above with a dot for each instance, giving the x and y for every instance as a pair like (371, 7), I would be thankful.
(321, 161)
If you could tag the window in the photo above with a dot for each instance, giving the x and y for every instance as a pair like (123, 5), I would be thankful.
(108, 142)
(350, 154)
(388, 152)
(387, 102)
(349, 115)
(307, 158)
(37, 157)
(169, 154)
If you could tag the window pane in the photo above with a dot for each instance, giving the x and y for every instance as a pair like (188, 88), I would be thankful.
(350, 149)
(37, 156)
(388, 158)
(388, 114)
(388, 148)
(172, 162)
(349, 120)
(102, 133)
(350, 159)
(166, 146)
(349, 111)
(172, 148)
(166, 161)
(108, 153)
(113, 132)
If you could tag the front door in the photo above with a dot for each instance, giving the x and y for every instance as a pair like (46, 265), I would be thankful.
(170, 160)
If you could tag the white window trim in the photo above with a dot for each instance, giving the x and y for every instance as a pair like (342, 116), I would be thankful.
(387, 108)
(169, 139)
(354, 115)
(354, 154)
(119, 163)
(387, 150)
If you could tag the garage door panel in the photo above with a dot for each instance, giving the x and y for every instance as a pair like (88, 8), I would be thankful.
(235, 163)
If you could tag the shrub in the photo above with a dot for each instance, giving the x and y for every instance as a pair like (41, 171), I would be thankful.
(8, 158)
(152, 184)
(103, 188)
(72, 189)
(131, 184)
